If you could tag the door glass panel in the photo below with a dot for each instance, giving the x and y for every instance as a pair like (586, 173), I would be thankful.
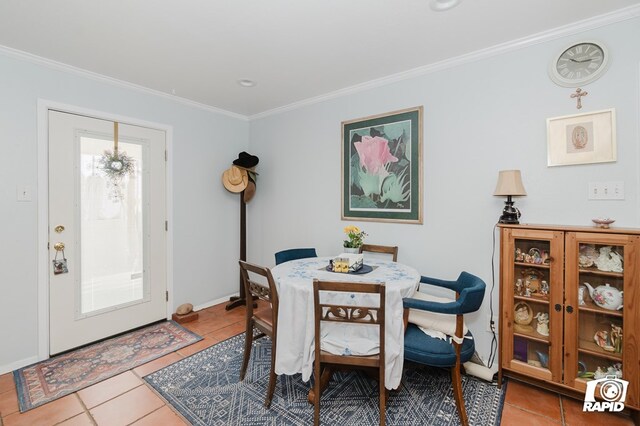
(600, 325)
(111, 220)
(531, 290)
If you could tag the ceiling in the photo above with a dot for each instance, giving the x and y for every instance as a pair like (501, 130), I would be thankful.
(293, 49)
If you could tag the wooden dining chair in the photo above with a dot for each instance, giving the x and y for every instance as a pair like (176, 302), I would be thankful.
(373, 248)
(295, 253)
(348, 314)
(265, 320)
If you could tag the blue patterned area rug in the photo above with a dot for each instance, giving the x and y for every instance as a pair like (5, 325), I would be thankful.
(61, 375)
(206, 390)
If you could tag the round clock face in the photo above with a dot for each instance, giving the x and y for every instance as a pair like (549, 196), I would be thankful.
(579, 64)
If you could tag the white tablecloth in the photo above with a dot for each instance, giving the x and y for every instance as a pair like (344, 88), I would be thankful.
(295, 345)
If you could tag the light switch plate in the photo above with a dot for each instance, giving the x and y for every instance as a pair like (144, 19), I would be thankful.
(605, 190)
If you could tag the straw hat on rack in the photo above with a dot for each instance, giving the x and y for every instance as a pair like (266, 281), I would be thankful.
(235, 179)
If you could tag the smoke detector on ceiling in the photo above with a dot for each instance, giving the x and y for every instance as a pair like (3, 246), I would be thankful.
(245, 82)
(442, 5)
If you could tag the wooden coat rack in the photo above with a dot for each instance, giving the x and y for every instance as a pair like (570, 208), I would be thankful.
(241, 300)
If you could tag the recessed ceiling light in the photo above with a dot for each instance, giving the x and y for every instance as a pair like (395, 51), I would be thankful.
(246, 82)
(442, 5)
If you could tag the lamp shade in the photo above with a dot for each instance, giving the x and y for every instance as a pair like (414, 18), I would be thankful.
(509, 183)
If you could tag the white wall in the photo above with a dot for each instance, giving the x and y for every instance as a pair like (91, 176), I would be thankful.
(479, 118)
(205, 216)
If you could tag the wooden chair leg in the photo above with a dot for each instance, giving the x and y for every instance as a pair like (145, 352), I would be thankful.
(456, 378)
(248, 340)
(272, 375)
(405, 318)
(316, 390)
(383, 399)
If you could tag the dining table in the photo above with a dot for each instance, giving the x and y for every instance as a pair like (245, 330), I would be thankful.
(296, 333)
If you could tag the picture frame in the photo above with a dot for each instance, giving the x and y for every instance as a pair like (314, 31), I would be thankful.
(584, 138)
(382, 167)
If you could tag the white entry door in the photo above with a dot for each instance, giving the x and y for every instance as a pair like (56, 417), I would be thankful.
(107, 232)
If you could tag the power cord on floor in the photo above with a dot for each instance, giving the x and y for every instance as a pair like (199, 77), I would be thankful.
(492, 325)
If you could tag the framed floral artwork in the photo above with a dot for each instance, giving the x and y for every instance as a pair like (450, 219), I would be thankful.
(582, 138)
(382, 167)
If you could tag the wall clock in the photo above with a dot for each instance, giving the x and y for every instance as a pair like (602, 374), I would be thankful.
(579, 63)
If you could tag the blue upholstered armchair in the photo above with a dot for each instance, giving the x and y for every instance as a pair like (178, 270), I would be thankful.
(424, 349)
(293, 254)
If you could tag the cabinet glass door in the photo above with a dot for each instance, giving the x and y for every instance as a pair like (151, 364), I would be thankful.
(597, 275)
(532, 292)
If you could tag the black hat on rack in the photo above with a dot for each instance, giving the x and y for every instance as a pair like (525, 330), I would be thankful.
(246, 161)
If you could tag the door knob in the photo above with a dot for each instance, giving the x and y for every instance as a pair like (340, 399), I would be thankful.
(59, 246)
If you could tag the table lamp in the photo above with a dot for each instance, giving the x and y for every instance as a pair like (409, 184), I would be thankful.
(509, 185)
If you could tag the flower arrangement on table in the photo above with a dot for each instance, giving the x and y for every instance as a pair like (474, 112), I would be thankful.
(355, 237)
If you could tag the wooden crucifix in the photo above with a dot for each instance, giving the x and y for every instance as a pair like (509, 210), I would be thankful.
(579, 94)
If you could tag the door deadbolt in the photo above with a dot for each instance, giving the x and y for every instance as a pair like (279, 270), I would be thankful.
(59, 229)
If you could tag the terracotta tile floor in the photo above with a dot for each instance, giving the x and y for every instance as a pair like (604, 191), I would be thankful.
(530, 406)
(126, 399)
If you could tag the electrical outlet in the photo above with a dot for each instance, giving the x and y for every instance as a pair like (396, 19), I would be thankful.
(489, 324)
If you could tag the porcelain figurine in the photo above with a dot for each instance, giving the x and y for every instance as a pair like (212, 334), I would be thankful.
(602, 339)
(581, 290)
(544, 288)
(519, 287)
(615, 370)
(519, 255)
(616, 338)
(536, 257)
(543, 323)
(587, 255)
(544, 359)
(546, 259)
(523, 315)
(606, 296)
(599, 374)
(532, 278)
(609, 261)
(584, 261)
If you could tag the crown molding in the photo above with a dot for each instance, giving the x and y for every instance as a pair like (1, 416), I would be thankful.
(49, 63)
(544, 36)
(566, 30)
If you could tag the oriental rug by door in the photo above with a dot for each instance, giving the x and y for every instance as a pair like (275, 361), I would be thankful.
(206, 389)
(61, 375)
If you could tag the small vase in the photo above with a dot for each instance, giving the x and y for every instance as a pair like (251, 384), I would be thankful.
(354, 250)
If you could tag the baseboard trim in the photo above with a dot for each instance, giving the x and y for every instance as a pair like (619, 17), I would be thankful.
(214, 302)
(7, 368)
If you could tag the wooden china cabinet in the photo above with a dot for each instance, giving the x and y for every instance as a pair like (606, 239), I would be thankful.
(570, 307)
